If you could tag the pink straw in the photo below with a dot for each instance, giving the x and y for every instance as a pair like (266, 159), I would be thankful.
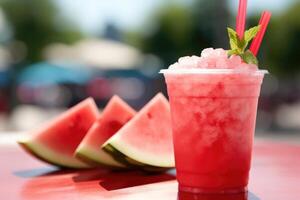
(241, 18)
(264, 21)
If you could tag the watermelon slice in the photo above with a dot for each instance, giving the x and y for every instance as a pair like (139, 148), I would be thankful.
(114, 116)
(146, 140)
(57, 141)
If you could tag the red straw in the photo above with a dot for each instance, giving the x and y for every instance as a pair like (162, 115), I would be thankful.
(264, 21)
(241, 18)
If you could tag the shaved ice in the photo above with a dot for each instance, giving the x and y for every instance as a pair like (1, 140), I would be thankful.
(213, 59)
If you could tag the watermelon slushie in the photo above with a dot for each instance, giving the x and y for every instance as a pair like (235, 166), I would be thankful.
(213, 101)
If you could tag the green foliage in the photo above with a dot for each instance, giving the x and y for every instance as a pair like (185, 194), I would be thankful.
(238, 45)
(251, 33)
(249, 58)
(234, 41)
(172, 35)
(37, 23)
(176, 30)
(281, 48)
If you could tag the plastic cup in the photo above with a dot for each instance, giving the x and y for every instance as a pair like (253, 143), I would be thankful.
(213, 121)
(192, 196)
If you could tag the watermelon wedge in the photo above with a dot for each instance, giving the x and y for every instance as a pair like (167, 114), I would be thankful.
(114, 116)
(56, 142)
(146, 140)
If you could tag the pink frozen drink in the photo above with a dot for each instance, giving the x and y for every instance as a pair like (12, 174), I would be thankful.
(213, 101)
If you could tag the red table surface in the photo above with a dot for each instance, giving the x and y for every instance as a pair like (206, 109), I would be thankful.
(275, 175)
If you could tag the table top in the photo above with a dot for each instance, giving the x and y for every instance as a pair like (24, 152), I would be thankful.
(275, 174)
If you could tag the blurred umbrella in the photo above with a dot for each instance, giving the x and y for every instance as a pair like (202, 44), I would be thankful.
(99, 53)
(47, 74)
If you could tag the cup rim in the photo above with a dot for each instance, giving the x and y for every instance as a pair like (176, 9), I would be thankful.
(212, 71)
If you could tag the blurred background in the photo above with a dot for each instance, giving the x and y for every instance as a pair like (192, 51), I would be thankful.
(55, 53)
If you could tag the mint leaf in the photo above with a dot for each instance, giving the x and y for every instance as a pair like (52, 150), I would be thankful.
(232, 52)
(242, 44)
(249, 58)
(233, 39)
(251, 33)
(238, 46)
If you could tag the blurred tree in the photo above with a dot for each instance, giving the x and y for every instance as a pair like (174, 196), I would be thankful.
(211, 21)
(280, 50)
(283, 43)
(172, 34)
(179, 30)
(37, 23)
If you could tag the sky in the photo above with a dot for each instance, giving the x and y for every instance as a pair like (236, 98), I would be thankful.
(92, 15)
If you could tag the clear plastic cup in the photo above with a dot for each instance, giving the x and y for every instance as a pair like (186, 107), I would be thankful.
(192, 196)
(213, 121)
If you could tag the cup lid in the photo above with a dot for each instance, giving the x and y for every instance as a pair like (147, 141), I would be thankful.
(212, 71)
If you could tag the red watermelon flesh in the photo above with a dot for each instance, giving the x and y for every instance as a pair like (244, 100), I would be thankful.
(57, 141)
(114, 116)
(147, 137)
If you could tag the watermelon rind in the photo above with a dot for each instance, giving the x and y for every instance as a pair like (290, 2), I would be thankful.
(49, 156)
(98, 158)
(53, 156)
(138, 156)
(89, 150)
(135, 157)
(130, 163)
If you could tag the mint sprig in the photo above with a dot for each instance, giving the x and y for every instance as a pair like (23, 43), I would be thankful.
(249, 58)
(238, 46)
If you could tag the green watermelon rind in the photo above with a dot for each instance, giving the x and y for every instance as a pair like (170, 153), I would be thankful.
(131, 163)
(49, 156)
(44, 152)
(138, 155)
(98, 158)
(91, 152)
